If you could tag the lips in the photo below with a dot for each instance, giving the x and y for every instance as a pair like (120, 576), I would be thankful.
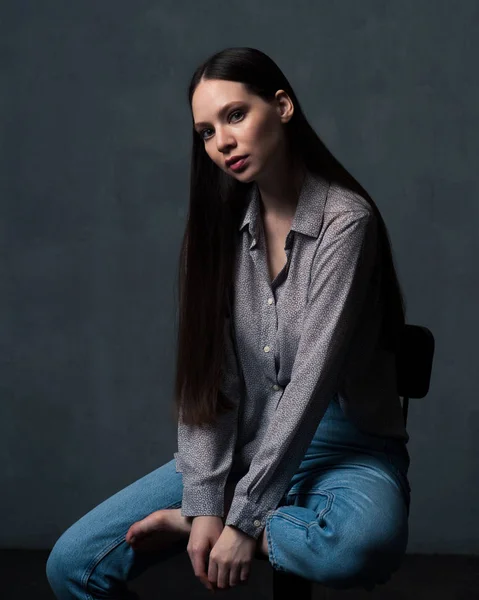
(229, 163)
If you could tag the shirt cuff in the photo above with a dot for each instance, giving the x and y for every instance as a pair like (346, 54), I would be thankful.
(203, 500)
(248, 516)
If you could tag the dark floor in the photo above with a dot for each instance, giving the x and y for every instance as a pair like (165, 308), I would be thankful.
(439, 577)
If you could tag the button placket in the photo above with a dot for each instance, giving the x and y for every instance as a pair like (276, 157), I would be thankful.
(275, 386)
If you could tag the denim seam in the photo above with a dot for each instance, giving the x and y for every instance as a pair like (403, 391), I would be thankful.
(328, 506)
(99, 557)
(96, 561)
(272, 556)
(330, 496)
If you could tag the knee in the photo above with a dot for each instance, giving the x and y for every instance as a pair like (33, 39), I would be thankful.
(374, 560)
(57, 566)
(62, 567)
(366, 561)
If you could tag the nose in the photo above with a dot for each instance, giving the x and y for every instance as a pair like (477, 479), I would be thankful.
(224, 142)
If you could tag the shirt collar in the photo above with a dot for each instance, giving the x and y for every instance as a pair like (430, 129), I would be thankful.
(308, 217)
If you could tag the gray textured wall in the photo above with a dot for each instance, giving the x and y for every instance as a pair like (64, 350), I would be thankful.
(95, 142)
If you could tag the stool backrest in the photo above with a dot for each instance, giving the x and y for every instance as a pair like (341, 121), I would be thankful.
(414, 361)
(414, 364)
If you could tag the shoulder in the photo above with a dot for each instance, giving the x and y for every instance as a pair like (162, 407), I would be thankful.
(346, 213)
(344, 200)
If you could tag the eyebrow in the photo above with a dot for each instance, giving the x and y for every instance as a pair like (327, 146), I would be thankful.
(221, 112)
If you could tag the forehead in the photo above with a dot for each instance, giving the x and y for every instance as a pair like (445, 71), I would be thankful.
(213, 95)
(218, 92)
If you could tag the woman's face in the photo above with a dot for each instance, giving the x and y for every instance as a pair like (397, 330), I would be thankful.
(232, 122)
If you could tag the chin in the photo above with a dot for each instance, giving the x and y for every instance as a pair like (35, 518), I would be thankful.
(246, 177)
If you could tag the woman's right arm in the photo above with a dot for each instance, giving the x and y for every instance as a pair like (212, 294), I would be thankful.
(205, 455)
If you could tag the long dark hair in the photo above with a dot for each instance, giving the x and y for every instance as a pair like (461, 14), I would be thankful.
(206, 262)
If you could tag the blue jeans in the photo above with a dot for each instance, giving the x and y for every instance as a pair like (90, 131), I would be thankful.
(343, 521)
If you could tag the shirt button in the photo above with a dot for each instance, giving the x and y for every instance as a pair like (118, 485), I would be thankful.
(266, 348)
(276, 387)
(257, 523)
(270, 300)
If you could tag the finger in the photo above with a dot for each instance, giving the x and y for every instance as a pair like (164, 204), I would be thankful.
(244, 574)
(234, 577)
(212, 573)
(199, 560)
(223, 576)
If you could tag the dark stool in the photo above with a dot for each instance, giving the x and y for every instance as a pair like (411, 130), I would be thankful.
(413, 365)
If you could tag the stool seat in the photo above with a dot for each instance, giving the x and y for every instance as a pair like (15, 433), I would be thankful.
(285, 584)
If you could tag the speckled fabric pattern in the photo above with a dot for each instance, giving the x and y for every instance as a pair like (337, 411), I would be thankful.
(290, 345)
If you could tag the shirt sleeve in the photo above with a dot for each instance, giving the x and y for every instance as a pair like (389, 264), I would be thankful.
(205, 454)
(341, 269)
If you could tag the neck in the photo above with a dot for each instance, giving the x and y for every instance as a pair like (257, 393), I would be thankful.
(280, 190)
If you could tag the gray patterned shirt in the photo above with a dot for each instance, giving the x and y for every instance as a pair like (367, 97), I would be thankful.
(291, 344)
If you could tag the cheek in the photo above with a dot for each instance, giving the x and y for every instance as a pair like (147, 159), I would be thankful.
(268, 137)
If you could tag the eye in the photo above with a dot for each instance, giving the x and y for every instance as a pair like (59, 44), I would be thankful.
(231, 114)
(236, 112)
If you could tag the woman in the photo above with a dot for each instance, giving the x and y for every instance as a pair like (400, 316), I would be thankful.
(291, 439)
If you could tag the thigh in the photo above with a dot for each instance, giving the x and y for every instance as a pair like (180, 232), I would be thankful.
(357, 495)
(93, 551)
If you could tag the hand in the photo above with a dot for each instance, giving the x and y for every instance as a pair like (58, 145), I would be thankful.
(230, 558)
(205, 532)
